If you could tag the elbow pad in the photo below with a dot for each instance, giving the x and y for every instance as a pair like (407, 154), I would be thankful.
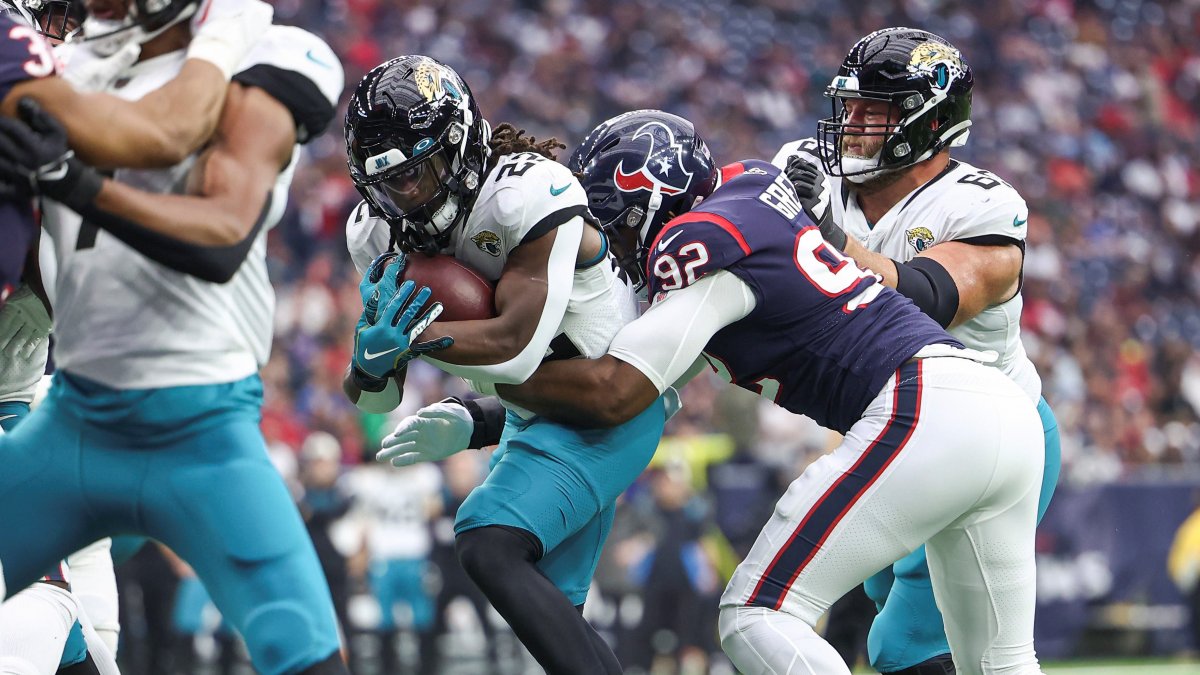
(930, 287)
(214, 264)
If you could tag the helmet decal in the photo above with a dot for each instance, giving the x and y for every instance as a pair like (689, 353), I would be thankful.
(663, 166)
(435, 81)
(940, 63)
(416, 148)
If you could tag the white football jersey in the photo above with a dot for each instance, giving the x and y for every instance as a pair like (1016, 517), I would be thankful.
(128, 322)
(393, 507)
(962, 203)
(522, 198)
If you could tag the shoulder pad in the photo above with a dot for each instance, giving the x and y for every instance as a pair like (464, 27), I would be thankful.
(534, 195)
(24, 54)
(985, 206)
(299, 70)
(689, 247)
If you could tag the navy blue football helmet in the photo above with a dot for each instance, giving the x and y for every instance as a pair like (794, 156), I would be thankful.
(56, 19)
(639, 170)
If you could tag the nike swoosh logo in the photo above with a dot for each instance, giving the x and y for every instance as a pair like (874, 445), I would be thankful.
(558, 191)
(1017, 222)
(662, 245)
(311, 55)
(371, 357)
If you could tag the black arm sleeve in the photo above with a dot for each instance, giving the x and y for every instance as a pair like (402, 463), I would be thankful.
(488, 415)
(930, 287)
(215, 264)
(300, 95)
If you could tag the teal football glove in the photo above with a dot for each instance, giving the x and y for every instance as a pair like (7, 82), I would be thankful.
(385, 339)
(368, 289)
(381, 272)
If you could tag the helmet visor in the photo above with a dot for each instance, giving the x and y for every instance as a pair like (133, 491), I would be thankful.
(412, 187)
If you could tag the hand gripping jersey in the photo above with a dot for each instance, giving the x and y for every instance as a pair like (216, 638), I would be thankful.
(128, 322)
(824, 335)
(963, 203)
(524, 197)
(24, 55)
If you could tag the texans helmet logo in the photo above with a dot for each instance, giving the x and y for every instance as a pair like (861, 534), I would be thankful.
(663, 167)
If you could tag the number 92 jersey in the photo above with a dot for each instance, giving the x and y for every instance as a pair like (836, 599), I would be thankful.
(963, 203)
(824, 335)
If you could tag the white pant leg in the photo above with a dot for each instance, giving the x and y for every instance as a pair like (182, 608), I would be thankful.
(95, 586)
(34, 625)
(923, 455)
(982, 566)
(102, 656)
(762, 641)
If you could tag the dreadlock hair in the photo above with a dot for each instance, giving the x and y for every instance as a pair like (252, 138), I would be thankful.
(508, 140)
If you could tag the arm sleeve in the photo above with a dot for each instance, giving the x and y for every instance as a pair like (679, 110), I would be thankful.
(560, 272)
(666, 341)
(214, 264)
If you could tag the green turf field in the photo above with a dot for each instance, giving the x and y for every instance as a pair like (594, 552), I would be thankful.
(1122, 668)
(1115, 667)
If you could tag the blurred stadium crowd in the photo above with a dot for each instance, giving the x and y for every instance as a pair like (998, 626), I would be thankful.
(1091, 109)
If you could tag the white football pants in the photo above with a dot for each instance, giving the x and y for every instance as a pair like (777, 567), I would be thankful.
(949, 454)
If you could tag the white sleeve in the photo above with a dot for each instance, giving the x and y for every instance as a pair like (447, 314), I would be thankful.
(366, 236)
(560, 275)
(666, 341)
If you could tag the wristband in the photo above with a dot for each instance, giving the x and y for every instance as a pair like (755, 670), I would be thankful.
(78, 187)
(488, 415)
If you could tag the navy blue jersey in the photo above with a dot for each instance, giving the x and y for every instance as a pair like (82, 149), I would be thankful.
(824, 335)
(24, 55)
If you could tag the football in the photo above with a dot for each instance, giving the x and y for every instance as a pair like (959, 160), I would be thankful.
(464, 293)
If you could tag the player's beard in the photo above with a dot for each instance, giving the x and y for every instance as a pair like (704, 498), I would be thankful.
(868, 177)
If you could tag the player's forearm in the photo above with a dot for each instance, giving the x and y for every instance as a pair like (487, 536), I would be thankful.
(602, 392)
(159, 130)
(195, 220)
(877, 263)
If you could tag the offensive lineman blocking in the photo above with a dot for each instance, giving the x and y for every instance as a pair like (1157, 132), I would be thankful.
(946, 234)
(163, 312)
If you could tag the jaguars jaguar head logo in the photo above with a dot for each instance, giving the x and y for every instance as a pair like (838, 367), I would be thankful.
(940, 63)
(488, 242)
(921, 238)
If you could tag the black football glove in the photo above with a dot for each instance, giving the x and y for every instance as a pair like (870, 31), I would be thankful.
(35, 159)
(814, 197)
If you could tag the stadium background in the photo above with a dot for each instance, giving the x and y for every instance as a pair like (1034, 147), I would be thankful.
(1090, 109)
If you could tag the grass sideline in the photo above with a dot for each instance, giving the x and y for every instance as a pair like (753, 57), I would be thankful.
(1112, 667)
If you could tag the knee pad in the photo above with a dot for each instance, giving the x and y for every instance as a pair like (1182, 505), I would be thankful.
(15, 665)
(761, 640)
(282, 638)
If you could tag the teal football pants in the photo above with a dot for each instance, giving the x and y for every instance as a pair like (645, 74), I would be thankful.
(908, 628)
(186, 466)
(562, 484)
